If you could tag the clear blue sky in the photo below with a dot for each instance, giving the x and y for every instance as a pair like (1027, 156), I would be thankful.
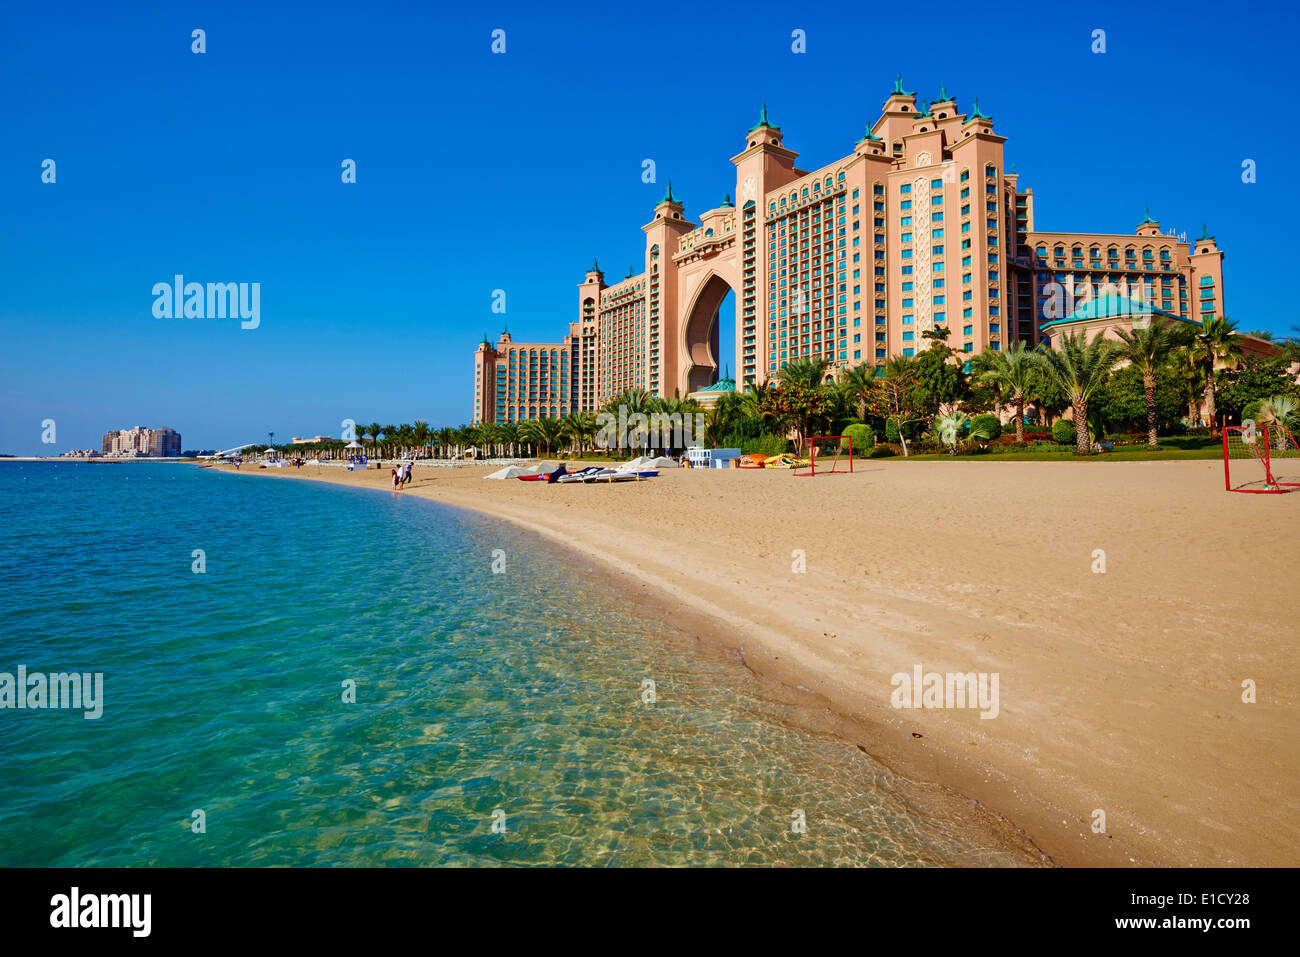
(226, 167)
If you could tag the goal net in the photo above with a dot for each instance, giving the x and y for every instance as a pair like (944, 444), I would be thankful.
(826, 455)
(1260, 458)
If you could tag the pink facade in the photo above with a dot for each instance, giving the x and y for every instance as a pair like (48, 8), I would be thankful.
(919, 227)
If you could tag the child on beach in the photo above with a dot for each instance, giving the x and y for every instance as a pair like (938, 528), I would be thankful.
(394, 476)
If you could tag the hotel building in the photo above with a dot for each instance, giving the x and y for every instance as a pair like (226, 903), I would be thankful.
(141, 441)
(920, 227)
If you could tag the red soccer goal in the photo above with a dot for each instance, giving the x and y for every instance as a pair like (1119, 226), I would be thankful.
(837, 448)
(1260, 458)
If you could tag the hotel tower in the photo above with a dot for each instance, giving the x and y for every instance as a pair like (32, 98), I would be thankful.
(920, 226)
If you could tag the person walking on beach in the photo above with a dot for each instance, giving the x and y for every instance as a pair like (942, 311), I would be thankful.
(406, 473)
(394, 476)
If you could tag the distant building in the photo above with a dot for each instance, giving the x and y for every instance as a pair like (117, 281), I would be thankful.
(313, 440)
(139, 441)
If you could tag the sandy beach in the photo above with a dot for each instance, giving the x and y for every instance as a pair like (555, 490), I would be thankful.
(1120, 692)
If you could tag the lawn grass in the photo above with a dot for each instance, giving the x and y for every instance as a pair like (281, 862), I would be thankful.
(1130, 454)
(1170, 447)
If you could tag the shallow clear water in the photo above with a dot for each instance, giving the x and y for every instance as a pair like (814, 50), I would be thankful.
(475, 692)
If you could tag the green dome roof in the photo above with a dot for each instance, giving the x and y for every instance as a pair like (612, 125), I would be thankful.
(722, 385)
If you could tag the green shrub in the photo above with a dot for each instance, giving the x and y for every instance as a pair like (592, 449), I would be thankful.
(987, 421)
(1063, 432)
(862, 436)
(881, 452)
(911, 430)
(1251, 410)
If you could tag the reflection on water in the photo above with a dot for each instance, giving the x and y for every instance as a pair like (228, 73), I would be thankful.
(513, 697)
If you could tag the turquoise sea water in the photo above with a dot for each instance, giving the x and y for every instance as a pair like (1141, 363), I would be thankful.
(475, 692)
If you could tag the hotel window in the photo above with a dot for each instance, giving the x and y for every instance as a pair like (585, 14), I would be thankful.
(936, 200)
(909, 336)
(905, 204)
(965, 175)
(905, 188)
(936, 217)
(905, 221)
(967, 313)
(965, 193)
(909, 352)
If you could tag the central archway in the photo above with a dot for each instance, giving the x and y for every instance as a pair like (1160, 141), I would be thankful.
(700, 335)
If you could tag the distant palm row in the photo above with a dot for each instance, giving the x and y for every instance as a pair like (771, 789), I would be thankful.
(1156, 367)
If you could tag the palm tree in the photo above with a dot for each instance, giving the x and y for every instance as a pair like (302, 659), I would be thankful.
(949, 429)
(756, 404)
(811, 375)
(1011, 373)
(1079, 368)
(807, 372)
(546, 432)
(1216, 341)
(581, 427)
(1147, 348)
(422, 434)
(1191, 376)
(1279, 410)
(374, 430)
(860, 385)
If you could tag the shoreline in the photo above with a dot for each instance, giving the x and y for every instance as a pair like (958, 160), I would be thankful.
(927, 747)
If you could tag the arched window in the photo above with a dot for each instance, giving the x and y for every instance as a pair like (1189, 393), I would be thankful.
(1207, 280)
